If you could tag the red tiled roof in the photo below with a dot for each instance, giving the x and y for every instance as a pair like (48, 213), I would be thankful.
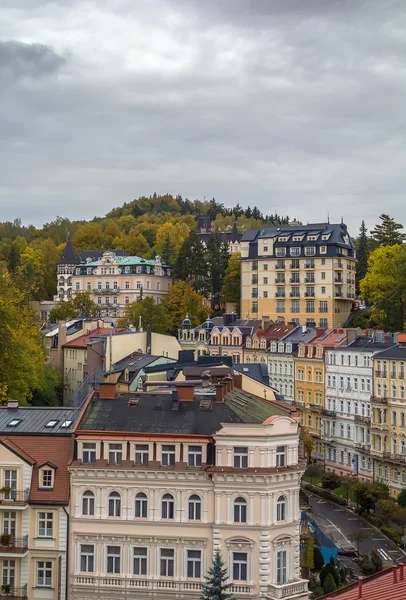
(273, 332)
(83, 340)
(389, 584)
(330, 339)
(38, 451)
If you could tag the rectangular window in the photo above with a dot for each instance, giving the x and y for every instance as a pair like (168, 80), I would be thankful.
(295, 306)
(310, 251)
(141, 454)
(240, 457)
(87, 558)
(280, 456)
(45, 524)
(280, 306)
(8, 572)
(324, 323)
(240, 566)
(115, 454)
(281, 567)
(46, 479)
(194, 563)
(254, 307)
(194, 456)
(9, 522)
(168, 456)
(113, 559)
(44, 573)
(295, 251)
(140, 561)
(89, 453)
(323, 306)
(167, 562)
(310, 306)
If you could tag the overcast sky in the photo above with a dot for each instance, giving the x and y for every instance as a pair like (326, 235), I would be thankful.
(297, 106)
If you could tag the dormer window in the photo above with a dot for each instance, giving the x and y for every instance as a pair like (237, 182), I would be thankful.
(46, 476)
(77, 271)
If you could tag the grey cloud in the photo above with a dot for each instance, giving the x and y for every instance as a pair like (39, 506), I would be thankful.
(294, 106)
(19, 60)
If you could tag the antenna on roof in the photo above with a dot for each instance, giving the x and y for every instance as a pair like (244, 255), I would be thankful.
(140, 324)
(328, 217)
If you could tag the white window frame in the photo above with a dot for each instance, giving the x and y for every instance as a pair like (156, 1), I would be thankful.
(47, 518)
(47, 479)
(281, 508)
(89, 556)
(240, 457)
(141, 454)
(281, 456)
(282, 571)
(240, 510)
(143, 560)
(88, 452)
(114, 556)
(115, 453)
(167, 560)
(195, 454)
(169, 503)
(141, 505)
(194, 507)
(114, 504)
(240, 563)
(45, 568)
(193, 561)
(168, 455)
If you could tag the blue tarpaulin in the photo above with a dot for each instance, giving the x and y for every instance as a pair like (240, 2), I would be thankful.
(326, 546)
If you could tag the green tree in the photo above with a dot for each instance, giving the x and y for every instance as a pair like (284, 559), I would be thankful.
(399, 517)
(217, 261)
(388, 232)
(330, 481)
(401, 499)
(50, 392)
(63, 311)
(308, 442)
(231, 291)
(387, 507)
(348, 483)
(309, 557)
(182, 299)
(366, 566)
(167, 251)
(135, 244)
(318, 559)
(314, 470)
(327, 570)
(88, 237)
(191, 263)
(329, 584)
(216, 586)
(150, 313)
(368, 493)
(384, 286)
(362, 253)
(84, 305)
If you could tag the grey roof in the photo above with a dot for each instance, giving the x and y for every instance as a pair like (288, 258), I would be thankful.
(97, 254)
(369, 344)
(154, 414)
(134, 362)
(257, 371)
(396, 352)
(69, 256)
(301, 335)
(33, 420)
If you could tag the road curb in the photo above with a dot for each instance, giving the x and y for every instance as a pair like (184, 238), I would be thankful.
(352, 512)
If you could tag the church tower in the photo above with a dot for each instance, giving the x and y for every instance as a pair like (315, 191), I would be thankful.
(66, 267)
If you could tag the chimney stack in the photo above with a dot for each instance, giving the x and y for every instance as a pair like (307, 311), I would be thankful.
(360, 587)
(395, 573)
(12, 404)
(401, 566)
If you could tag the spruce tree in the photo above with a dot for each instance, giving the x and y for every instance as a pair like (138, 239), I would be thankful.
(191, 263)
(362, 253)
(216, 587)
(217, 261)
(388, 233)
(167, 251)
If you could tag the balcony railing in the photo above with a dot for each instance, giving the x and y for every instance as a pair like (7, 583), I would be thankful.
(105, 290)
(309, 265)
(288, 590)
(362, 419)
(379, 427)
(393, 374)
(328, 413)
(13, 545)
(279, 294)
(362, 446)
(338, 280)
(339, 295)
(280, 265)
(309, 294)
(378, 400)
(294, 265)
(280, 281)
(14, 496)
(295, 294)
(9, 591)
(149, 584)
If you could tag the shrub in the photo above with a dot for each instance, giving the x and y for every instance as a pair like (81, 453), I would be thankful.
(327, 570)
(318, 559)
(330, 481)
(326, 494)
(376, 561)
(392, 534)
(343, 575)
(375, 520)
(366, 566)
(317, 592)
(309, 558)
(329, 584)
(402, 498)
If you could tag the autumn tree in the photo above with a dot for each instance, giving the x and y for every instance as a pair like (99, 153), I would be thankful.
(88, 237)
(135, 244)
(191, 263)
(183, 299)
(81, 305)
(150, 313)
(308, 443)
(388, 232)
(231, 291)
(384, 286)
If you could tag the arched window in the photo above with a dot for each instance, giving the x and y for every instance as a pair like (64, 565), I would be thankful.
(281, 509)
(114, 504)
(168, 506)
(141, 505)
(88, 503)
(240, 510)
(195, 508)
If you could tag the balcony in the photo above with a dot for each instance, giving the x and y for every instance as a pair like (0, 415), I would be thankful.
(378, 427)
(288, 590)
(339, 295)
(280, 281)
(294, 265)
(106, 290)
(309, 264)
(9, 591)
(280, 264)
(362, 419)
(14, 497)
(295, 294)
(12, 545)
(338, 264)
(338, 280)
(328, 413)
(393, 375)
(294, 280)
(160, 585)
(279, 294)
(378, 400)
(316, 407)
(362, 446)
(309, 294)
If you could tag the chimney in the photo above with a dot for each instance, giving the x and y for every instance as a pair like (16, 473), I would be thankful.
(12, 404)
(206, 376)
(175, 400)
(395, 573)
(360, 587)
(149, 340)
(401, 566)
(219, 392)
(107, 390)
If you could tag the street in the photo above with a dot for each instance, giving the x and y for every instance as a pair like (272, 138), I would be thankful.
(338, 523)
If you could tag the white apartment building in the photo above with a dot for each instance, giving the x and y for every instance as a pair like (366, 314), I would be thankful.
(159, 485)
(346, 418)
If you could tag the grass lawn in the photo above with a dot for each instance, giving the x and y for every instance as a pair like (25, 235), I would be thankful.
(339, 491)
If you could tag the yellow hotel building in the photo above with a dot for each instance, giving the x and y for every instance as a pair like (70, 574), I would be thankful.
(300, 273)
(388, 416)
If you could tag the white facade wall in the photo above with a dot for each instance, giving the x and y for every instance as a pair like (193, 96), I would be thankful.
(347, 417)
